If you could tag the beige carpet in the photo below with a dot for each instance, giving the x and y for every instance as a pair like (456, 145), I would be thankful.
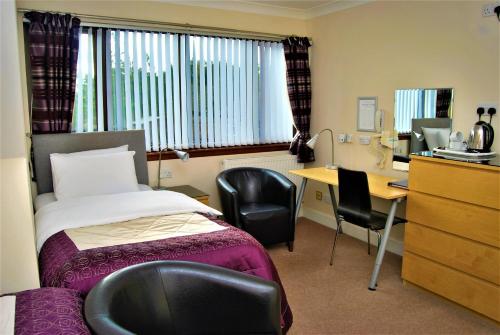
(336, 300)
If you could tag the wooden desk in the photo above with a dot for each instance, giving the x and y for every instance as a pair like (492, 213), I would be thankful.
(378, 188)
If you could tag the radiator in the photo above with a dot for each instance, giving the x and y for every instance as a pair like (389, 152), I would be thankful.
(281, 164)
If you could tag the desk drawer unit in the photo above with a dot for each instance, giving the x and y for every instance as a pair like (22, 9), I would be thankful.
(452, 239)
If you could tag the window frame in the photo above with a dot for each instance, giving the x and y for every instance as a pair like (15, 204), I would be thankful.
(168, 154)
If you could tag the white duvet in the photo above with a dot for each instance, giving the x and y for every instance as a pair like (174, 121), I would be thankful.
(111, 208)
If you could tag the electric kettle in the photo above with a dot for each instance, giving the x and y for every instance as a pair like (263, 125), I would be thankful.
(481, 134)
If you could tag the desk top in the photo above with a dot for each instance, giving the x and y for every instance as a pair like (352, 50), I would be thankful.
(377, 183)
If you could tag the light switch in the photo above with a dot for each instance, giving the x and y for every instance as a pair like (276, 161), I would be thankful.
(365, 139)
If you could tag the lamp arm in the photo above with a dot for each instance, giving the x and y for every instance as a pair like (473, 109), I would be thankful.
(331, 137)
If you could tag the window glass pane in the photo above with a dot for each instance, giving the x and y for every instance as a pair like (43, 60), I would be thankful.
(84, 119)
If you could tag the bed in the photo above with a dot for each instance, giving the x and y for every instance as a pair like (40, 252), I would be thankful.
(43, 311)
(82, 240)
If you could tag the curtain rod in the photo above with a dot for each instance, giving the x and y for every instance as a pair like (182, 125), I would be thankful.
(138, 24)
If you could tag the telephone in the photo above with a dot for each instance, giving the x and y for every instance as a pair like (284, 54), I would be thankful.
(386, 138)
(379, 121)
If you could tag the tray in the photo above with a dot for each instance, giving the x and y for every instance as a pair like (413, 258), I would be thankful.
(465, 154)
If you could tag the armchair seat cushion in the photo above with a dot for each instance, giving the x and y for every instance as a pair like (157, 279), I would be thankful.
(264, 221)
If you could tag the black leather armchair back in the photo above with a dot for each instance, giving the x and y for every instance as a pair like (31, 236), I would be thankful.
(354, 197)
(260, 201)
(173, 297)
(257, 185)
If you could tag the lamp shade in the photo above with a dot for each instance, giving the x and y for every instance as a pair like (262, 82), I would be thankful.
(420, 137)
(183, 156)
(312, 142)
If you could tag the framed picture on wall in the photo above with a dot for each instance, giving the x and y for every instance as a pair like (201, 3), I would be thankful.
(367, 108)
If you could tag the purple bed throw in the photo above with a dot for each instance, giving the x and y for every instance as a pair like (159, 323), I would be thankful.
(63, 265)
(49, 311)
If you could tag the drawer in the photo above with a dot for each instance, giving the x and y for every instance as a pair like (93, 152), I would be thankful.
(475, 222)
(459, 182)
(471, 292)
(462, 254)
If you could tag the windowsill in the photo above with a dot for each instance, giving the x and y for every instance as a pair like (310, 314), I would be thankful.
(235, 150)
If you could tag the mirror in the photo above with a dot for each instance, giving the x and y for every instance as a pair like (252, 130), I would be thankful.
(415, 110)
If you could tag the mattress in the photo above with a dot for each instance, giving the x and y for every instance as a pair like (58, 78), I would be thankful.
(46, 311)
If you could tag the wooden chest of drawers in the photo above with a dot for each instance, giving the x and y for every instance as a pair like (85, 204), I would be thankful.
(452, 239)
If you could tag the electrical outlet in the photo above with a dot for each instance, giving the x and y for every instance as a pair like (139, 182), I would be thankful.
(319, 195)
(341, 138)
(348, 138)
(489, 9)
(487, 105)
(164, 173)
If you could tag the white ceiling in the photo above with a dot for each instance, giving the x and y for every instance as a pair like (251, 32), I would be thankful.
(301, 5)
(301, 9)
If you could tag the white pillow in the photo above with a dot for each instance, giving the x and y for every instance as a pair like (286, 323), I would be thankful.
(78, 176)
(121, 148)
(45, 199)
(436, 137)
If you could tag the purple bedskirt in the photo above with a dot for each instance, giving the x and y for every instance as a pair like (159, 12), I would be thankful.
(49, 311)
(63, 265)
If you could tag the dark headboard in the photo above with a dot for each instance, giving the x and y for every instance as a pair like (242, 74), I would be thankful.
(44, 145)
(416, 127)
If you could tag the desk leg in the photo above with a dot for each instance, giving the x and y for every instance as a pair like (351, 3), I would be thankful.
(334, 206)
(299, 199)
(383, 244)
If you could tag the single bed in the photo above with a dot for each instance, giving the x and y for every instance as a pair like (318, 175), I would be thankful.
(81, 240)
(44, 311)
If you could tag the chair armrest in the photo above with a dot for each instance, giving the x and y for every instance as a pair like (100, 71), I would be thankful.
(229, 201)
(281, 191)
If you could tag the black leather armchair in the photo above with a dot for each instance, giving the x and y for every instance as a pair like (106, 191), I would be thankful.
(174, 297)
(259, 201)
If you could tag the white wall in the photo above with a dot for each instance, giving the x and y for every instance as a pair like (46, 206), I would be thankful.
(18, 261)
(374, 49)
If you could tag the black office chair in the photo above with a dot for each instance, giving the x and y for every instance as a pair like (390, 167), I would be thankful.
(174, 297)
(355, 206)
(259, 201)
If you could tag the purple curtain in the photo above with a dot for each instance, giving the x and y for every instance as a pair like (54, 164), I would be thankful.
(53, 50)
(298, 77)
(443, 101)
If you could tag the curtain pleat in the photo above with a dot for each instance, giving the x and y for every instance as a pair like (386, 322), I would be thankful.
(443, 101)
(299, 92)
(53, 48)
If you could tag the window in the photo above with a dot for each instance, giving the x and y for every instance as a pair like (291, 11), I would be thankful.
(185, 91)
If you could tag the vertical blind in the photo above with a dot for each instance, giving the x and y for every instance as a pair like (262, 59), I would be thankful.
(413, 104)
(185, 91)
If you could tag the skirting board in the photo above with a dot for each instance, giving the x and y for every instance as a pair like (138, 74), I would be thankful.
(359, 233)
